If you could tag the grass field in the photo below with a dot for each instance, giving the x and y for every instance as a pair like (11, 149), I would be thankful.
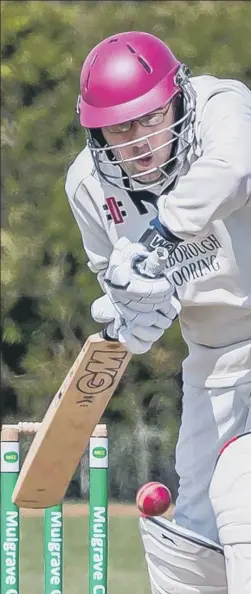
(127, 570)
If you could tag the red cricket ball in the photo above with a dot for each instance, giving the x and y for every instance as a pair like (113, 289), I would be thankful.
(153, 499)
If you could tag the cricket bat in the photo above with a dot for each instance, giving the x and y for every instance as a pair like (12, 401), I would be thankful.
(75, 410)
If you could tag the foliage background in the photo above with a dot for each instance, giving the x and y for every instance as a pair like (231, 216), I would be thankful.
(47, 289)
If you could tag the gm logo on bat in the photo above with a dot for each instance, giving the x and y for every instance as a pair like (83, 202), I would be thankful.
(101, 373)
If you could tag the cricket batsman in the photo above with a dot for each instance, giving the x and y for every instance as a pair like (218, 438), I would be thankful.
(168, 162)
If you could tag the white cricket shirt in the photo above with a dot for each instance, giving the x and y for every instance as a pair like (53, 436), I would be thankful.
(210, 209)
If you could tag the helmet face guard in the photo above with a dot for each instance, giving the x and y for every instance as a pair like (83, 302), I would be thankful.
(143, 84)
(181, 140)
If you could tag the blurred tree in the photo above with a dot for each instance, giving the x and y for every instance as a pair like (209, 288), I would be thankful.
(46, 287)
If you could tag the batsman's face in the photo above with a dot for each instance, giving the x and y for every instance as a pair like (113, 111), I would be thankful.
(143, 144)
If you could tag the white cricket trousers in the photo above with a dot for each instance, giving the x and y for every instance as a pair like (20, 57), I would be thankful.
(210, 417)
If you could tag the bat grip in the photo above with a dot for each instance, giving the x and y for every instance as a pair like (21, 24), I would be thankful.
(104, 334)
(154, 264)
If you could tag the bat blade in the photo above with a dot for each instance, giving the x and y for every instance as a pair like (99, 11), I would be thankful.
(69, 422)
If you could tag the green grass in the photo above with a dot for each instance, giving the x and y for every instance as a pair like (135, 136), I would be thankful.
(126, 568)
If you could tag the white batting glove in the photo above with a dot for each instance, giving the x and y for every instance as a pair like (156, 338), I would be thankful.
(125, 284)
(136, 330)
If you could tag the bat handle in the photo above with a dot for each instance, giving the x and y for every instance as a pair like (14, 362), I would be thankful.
(105, 334)
(154, 264)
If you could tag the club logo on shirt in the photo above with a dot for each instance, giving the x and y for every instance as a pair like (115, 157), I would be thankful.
(191, 260)
(195, 260)
(114, 210)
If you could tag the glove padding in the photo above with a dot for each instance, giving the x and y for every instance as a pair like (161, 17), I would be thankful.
(136, 330)
(124, 284)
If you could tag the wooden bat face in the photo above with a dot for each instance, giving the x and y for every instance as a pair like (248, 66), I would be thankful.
(69, 422)
(74, 413)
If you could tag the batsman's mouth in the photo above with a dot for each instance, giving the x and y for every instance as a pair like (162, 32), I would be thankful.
(145, 162)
